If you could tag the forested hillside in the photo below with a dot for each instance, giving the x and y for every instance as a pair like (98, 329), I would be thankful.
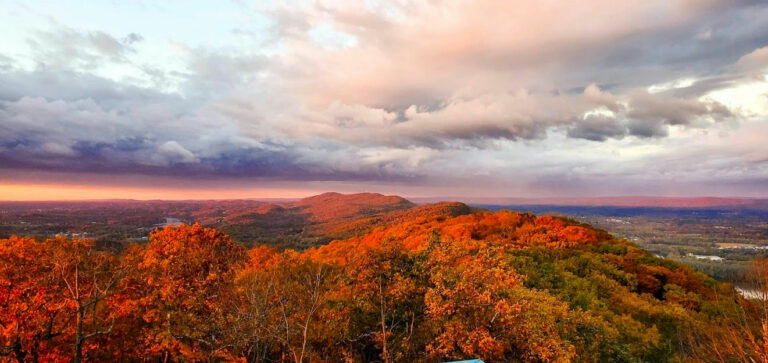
(297, 224)
(426, 284)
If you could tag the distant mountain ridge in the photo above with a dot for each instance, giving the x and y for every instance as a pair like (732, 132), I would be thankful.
(395, 202)
(296, 224)
(621, 201)
(332, 205)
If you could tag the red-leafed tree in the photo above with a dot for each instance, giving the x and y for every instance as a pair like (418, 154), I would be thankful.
(86, 279)
(30, 313)
(56, 298)
(181, 282)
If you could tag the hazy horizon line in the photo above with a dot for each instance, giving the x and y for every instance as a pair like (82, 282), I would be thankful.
(437, 198)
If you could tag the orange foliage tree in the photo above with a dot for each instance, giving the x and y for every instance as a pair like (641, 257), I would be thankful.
(56, 299)
(285, 308)
(181, 281)
(475, 308)
(386, 290)
(87, 278)
(30, 315)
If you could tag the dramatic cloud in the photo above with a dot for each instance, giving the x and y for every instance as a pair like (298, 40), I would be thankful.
(423, 92)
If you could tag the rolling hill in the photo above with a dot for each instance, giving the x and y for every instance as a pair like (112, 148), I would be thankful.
(288, 223)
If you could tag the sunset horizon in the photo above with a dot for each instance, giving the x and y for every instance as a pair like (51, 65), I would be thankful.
(69, 192)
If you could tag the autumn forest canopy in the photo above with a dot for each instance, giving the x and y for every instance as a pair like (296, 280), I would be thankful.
(406, 283)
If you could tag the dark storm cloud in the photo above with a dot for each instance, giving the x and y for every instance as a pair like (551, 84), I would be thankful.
(598, 128)
(644, 115)
(649, 115)
(93, 125)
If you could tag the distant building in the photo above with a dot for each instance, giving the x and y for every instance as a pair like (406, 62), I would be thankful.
(706, 257)
(169, 222)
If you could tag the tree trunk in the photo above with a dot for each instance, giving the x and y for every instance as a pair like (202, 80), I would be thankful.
(19, 353)
(384, 352)
(79, 338)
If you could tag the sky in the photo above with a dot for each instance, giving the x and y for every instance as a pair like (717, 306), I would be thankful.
(248, 99)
